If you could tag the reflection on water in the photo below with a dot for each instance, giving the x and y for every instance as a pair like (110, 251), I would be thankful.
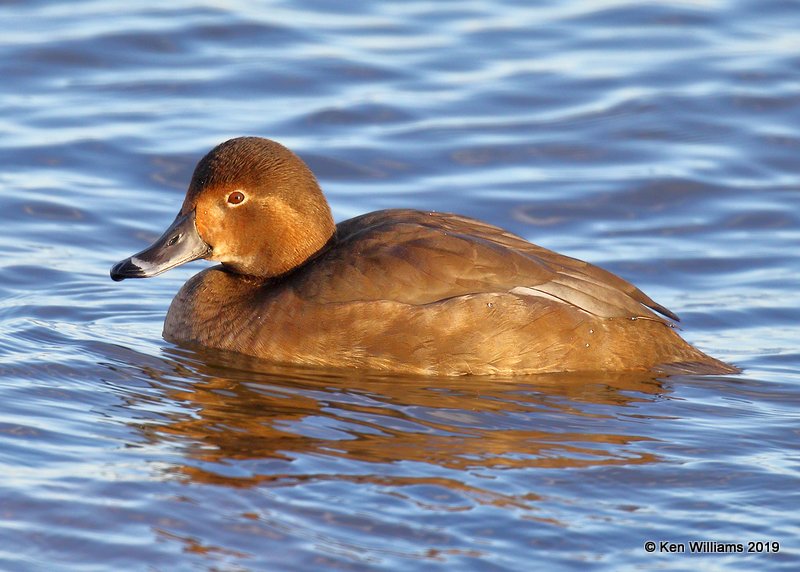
(297, 442)
(242, 409)
(352, 468)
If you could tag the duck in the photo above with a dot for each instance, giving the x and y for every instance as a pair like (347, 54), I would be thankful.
(398, 290)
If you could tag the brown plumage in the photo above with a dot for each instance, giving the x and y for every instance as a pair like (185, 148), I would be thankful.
(397, 290)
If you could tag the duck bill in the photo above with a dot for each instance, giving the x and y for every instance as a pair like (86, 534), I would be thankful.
(180, 243)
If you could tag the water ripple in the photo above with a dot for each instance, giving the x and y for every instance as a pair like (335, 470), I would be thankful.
(657, 139)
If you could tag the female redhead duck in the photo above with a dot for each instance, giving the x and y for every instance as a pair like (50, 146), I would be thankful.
(394, 290)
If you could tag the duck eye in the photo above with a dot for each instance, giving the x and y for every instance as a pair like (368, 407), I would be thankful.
(236, 197)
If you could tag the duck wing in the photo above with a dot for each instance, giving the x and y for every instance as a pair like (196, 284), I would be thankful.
(418, 257)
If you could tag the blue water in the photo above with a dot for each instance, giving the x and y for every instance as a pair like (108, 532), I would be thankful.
(660, 140)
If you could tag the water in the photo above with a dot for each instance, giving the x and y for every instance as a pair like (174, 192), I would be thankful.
(659, 140)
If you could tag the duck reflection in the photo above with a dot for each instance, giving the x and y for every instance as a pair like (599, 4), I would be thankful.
(237, 409)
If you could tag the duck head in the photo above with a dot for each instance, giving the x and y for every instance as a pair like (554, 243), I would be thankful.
(252, 205)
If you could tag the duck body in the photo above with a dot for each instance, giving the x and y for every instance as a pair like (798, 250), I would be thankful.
(432, 293)
(396, 290)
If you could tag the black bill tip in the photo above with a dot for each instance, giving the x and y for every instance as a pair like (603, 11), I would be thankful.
(126, 269)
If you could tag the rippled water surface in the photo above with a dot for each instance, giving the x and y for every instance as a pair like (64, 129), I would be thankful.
(658, 139)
